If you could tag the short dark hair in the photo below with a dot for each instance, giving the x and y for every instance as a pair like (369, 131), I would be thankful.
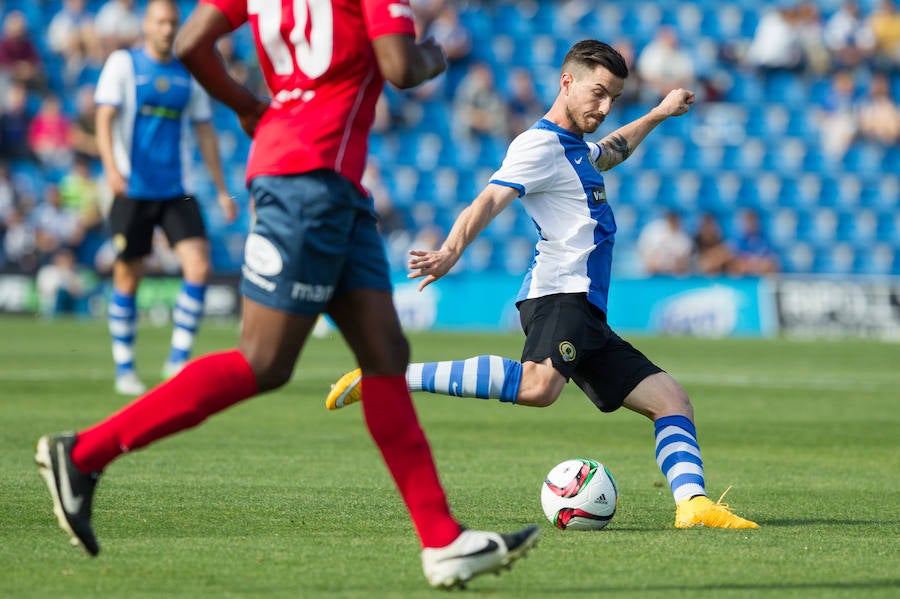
(594, 53)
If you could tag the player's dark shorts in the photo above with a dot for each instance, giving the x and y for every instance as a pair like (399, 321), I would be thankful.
(574, 334)
(315, 237)
(132, 222)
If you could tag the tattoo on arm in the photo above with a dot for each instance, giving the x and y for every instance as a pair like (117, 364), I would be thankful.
(615, 150)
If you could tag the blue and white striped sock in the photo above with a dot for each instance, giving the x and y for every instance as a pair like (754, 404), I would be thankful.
(122, 317)
(186, 316)
(484, 377)
(678, 456)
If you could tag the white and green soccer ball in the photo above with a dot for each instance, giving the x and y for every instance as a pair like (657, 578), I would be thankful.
(579, 494)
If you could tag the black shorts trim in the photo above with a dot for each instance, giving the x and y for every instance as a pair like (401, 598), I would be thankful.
(132, 222)
(574, 334)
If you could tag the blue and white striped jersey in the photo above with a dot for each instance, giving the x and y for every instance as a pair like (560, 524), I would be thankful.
(156, 103)
(553, 170)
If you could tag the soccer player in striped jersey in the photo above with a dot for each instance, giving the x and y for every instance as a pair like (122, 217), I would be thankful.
(314, 248)
(563, 300)
(146, 104)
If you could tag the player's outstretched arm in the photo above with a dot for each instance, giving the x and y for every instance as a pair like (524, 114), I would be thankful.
(618, 145)
(195, 47)
(434, 264)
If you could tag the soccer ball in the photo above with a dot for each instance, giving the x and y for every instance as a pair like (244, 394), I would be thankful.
(579, 494)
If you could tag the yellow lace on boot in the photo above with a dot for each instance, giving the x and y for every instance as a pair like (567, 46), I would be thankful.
(701, 511)
(345, 391)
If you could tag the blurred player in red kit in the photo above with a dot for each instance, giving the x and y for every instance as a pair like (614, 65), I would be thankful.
(314, 249)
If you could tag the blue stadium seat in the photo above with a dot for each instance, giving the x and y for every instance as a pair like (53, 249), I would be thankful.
(889, 227)
(878, 259)
(835, 259)
(798, 258)
(891, 161)
(864, 158)
(746, 89)
(859, 226)
(782, 227)
(822, 231)
(686, 192)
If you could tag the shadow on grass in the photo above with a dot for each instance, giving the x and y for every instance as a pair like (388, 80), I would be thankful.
(863, 585)
(826, 522)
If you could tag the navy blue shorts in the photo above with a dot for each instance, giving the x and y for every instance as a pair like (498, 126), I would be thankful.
(314, 237)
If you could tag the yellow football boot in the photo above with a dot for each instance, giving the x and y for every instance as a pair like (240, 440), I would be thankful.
(701, 511)
(345, 391)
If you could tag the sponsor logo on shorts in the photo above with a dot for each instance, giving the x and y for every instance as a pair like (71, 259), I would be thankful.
(311, 293)
(262, 257)
(567, 351)
(254, 277)
(120, 242)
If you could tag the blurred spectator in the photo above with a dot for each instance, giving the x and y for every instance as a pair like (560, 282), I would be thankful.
(20, 59)
(237, 66)
(810, 27)
(50, 135)
(55, 226)
(524, 107)
(8, 203)
(572, 11)
(118, 25)
(663, 65)
(478, 106)
(425, 12)
(712, 255)
(71, 29)
(837, 119)
(664, 246)
(79, 191)
(384, 119)
(72, 36)
(753, 255)
(84, 129)
(14, 121)
(63, 287)
(879, 115)
(451, 35)
(776, 44)
(631, 91)
(848, 36)
(885, 24)
(389, 218)
(19, 246)
(8, 195)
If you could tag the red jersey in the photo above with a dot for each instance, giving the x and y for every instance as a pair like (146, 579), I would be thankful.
(319, 64)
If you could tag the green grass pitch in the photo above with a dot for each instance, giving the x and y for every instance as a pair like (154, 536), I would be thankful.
(277, 497)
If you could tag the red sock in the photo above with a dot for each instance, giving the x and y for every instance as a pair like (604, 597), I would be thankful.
(205, 386)
(393, 424)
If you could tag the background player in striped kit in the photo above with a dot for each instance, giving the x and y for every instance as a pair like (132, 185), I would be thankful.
(146, 104)
(563, 300)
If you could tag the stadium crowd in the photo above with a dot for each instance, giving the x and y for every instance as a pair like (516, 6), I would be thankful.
(834, 64)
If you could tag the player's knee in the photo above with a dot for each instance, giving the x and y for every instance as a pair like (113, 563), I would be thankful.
(197, 271)
(271, 372)
(540, 396)
(675, 401)
(272, 377)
